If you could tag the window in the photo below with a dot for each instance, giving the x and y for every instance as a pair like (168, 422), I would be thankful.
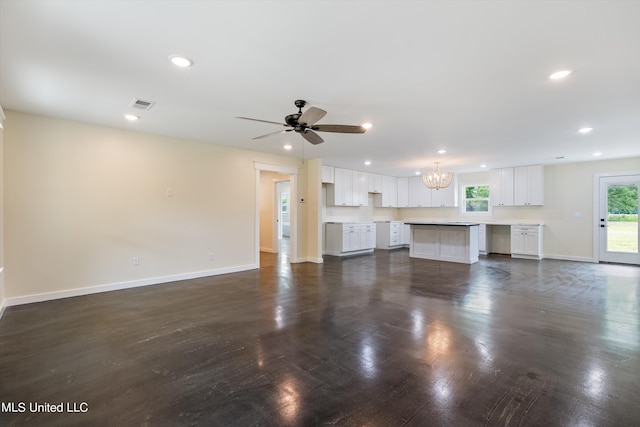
(476, 199)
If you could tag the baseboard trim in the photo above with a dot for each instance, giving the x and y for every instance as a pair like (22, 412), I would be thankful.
(3, 305)
(570, 258)
(309, 259)
(29, 299)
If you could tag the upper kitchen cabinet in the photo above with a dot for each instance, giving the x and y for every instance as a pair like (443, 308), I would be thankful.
(501, 190)
(349, 188)
(389, 196)
(446, 197)
(529, 184)
(419, 194)
(375, 183)
(327, 174)
(403, 192)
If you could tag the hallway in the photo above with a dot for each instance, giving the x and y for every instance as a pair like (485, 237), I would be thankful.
(377, 340)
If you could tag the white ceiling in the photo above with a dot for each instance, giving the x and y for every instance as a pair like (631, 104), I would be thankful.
(466, 76)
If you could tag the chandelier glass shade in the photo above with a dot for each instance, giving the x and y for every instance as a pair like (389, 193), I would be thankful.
(437, 179)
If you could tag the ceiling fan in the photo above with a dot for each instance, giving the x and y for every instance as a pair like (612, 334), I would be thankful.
(305, 124)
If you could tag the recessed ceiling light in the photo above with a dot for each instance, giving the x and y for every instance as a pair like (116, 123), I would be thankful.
(560, 74)
(483, 166)
(418, 173)
(287, 147)
(367, 125)
(180, 61)
(131, 117)
(367, 162)
(442, 151)
(585, 130)
(597, 153)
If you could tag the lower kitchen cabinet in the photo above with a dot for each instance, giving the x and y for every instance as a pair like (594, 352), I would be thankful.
(526, 241)
(389, 234)
(349, 238)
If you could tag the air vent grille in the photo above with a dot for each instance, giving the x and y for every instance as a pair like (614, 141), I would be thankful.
(141, 104)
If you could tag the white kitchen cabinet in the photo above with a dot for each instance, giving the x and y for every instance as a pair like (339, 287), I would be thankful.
(349, 238)
(375, 183)
(502, 187)
(482, 239)
(419, 194)
(360, 182)
(389, 234)
(389, 196)
(406, 235)
(526, 241)
(349, 188)
(446, 197)
(327, 174)
(528, 185)
(403, 192)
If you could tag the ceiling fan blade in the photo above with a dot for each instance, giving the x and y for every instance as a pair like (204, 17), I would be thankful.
(339, 128)
(312, 137)
(272, 133)
(311, 116)
(264, 121)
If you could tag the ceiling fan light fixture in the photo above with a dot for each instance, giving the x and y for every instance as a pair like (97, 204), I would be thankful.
(437, 179)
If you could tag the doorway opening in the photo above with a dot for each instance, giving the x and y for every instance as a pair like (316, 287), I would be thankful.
(276, 218)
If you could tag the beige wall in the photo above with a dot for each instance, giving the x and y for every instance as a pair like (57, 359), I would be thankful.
(2, 292)
(82, 200)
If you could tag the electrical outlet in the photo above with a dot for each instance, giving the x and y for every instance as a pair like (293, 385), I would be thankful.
(169, 192)
(136, 261)
(210, 256)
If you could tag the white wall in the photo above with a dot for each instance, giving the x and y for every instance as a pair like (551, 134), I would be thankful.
(82, 200)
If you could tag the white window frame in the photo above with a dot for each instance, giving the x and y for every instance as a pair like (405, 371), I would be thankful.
(463, 199)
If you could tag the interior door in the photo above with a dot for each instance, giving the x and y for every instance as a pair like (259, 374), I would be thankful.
(618, 219)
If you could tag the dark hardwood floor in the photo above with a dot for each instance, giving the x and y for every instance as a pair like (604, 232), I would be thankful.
(377, 340)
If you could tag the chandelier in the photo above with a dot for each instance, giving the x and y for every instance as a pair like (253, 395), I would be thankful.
(437, 179)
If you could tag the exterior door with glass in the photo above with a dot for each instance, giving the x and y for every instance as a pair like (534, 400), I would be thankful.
(618, 219)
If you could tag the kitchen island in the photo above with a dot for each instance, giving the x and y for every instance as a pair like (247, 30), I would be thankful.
(444, 241)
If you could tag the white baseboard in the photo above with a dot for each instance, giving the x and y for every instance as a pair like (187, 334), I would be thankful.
(3, 305)
(28, 299)
(309, 259)
(570, 258)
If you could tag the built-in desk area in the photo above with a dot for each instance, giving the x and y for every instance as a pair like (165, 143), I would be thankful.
(516, 239)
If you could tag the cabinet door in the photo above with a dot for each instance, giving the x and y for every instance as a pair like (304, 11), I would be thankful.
(517, 242)
(446, 197)
(389, 196)
(529, 182)
(403, 192)
(531, 243)
(419, 194)
(327, 174)
(375, 183)
(343, 187)
(502, 182)
(360, 188)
